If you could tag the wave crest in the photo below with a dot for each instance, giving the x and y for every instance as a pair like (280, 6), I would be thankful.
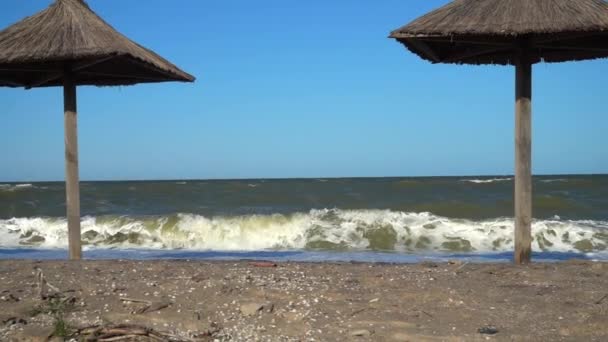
(15, 187)
(487, 181)
(327, 229)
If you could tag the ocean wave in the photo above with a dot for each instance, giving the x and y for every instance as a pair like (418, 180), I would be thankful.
(328, 229)
(486, 181)
(15, 187)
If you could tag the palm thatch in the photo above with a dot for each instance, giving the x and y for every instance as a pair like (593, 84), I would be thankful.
(69, 37)
(501, 31)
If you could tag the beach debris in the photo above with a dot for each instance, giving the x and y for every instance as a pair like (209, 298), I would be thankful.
(149, 305)
(252, 309)
(8, 297)
(156, 306)
(118, 289)
(133, 300)
(44, 286)
(213, 329)
(14, 320)
(601, 299)
(125, 332)
(228, 289)
(488, 330)
(263, 264)
(375, 300)
(428, 314)
(361, 333)
(352, 281)
(198, 278)
(356, 312)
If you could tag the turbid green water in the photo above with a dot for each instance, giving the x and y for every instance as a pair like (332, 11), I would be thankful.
(399, 215)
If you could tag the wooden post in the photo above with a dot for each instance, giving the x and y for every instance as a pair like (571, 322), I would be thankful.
(523, 162)
(72, 190)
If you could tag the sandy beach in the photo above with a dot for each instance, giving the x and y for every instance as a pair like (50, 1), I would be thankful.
(247, 301)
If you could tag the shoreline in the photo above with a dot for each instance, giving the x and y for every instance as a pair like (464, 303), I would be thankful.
(294, 301)
(294, 256)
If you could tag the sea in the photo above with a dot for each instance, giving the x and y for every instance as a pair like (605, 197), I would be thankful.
(318, 220)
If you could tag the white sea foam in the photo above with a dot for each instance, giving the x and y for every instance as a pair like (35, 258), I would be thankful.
(327, 229)
(486, 181)
(15, 187)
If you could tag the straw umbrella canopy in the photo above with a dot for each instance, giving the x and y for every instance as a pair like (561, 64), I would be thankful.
(69, 45)
(519, 33)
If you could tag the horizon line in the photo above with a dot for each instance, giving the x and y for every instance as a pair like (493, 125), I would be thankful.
(296, 178)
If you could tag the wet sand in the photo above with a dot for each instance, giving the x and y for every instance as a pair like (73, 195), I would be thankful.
(242, 301)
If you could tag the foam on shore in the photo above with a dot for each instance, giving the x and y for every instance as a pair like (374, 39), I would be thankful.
(327, 229)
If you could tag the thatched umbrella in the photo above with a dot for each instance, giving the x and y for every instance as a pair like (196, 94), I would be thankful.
(69, 45)
(519, 33)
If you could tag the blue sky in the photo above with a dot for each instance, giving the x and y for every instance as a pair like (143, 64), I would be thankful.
(299, 89)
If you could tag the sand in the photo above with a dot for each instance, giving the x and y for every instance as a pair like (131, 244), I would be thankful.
(241, 301)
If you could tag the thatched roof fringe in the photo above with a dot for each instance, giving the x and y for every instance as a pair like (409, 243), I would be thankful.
(510, 18)
(496, 31)
(68, 33)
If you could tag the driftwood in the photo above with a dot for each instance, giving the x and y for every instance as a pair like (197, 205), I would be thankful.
(133, 300)
(428, 314)
(150, 306)
(601, 299)
(356, 312)
(44, 285)
(124, 333)
(153, 307)
(119, 338)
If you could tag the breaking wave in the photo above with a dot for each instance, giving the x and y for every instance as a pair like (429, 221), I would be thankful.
(15, 187)
(328, 229)
(487, 181)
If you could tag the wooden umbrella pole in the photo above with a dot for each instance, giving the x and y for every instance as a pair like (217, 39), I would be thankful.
(71, 166)
(523, 162)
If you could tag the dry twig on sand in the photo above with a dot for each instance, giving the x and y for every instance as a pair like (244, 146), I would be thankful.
(123, 332)
(133, 300)
(150, 306)
(601, 299)
(44, 285)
